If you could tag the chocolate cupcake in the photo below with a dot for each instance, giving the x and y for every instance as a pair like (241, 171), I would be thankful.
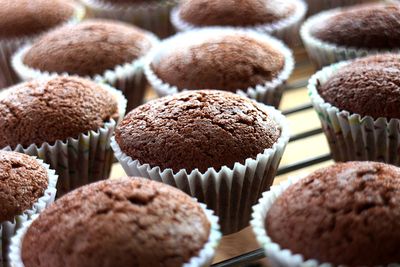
(106, 51)
(357, 103)
(243, 62)
(152, 15)
(315, 6)
(66, 121)
(27, 187)
(219, 147)
(352, 32)
(23, 20)
(281, 18)
(125, 222)
(333, 216)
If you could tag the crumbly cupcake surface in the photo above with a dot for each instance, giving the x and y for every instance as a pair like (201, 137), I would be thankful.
(339, 213)
(369, 86)
(228, 63)
(26, 17)
(23, 180)
(88, 48)
(47, 110)
(197, 129)
(234, 13)
(370, 26)
(126, 222)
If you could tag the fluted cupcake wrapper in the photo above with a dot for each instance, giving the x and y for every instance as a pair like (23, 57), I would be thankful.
(8, 47)
(315, 6)
(268, 93)
(8, 229)
(152, 16)
(203, 259)
(230, 192)
(128, 78)
(286, 29)
(81, 160)
(322, 53)
(351, 136)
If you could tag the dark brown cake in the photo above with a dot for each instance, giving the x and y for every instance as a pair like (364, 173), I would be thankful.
(234, 13)
(197, 129)
(126, 222)
(368, 86)
(371, 26)
(345, 214)
(26, 17)
(22, 182)
(228, 63)
(88, 48)
(53, 109)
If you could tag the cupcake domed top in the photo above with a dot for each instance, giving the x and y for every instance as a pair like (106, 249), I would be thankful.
(197, 129)
(125, 222)
(88, 48)
(27, 17)
(369, 86)
(57, 108)
(227, 62)
(23, 181)
(339, 213)
(371, 26)
(234, 13)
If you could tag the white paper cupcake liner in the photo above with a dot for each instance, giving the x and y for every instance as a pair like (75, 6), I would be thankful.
(286, 29)
(230, 192)
(81, 160)
(350, 136)
(203, 259)
(278, 256)
(315, 6)
(128, 78)
(268, 93)
(8, 47)
(152, 15)
(322, 53)
(9, 228)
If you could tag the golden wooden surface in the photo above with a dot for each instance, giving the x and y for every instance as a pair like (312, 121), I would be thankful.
(244, 241)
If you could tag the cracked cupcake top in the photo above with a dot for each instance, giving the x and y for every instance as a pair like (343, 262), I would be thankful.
(234, 13)
(46, 110)
(368, 86)
(229, 63)
(23, 180)
(197, 129)
(125, 222)
(348, 213)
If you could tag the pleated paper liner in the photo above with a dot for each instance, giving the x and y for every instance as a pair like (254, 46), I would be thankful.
(8, 47)
(322, 53)
(128, 78)
(230, 192)
(149, 15)
(268, 93)
(315, 6)
(8, 229)
(83, 159)
(203, 259)
(351, 136)
(286, 29)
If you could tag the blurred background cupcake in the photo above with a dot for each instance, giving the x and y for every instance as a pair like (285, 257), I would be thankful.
(244, 62)
(219, 147)
(124, 222)
(347, 214)
(281, 18)
(27, 187)
(352, 32)
(315, 6)
(104, 50)
(152, 15)
(67, 122)
(23, 20)
(358, 105)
